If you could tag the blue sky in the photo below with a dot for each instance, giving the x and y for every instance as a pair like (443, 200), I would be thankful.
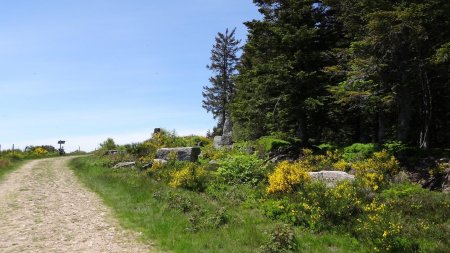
(87, 70)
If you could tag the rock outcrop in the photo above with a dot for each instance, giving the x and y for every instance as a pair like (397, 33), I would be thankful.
(182, 154)
(226, 138)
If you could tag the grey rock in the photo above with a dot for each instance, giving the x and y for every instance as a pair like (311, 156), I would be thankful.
(161, 161)
(279, 158)
(124, 164)
(112, 152)
(183, 154)
(227, 132)
(331, 177)
(213, 165)
(226, 140)
(218, 141)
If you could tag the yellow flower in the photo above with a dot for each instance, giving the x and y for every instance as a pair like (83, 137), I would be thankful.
(286, 177)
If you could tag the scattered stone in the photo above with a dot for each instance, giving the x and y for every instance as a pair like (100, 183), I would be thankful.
(213, 165)
(183, 154)
(330, 178)
(250, 150)
(437, 181)
(161, 161)
(146, 166)
(124, 164)
(280, 158)
(112, 152)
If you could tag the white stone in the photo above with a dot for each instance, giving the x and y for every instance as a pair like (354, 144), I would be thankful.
(330, 178)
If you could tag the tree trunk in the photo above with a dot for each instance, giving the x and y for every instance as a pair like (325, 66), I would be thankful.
(357, 129)
(381, 127)
(302, 132)
(424, 138)
(404, 99)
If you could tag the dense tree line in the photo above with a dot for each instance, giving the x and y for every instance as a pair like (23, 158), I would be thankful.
(346, 71)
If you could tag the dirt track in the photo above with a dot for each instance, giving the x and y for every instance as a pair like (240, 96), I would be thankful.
(43, 208)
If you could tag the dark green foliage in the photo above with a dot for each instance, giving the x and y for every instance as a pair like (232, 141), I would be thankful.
(358, 151)
(280, 83)
(346, 71)
(108, 144)
(394, 147)
(269, 143)
(326, 147)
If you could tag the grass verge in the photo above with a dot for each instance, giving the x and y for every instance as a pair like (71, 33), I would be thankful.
(7, 167)
(184, 221)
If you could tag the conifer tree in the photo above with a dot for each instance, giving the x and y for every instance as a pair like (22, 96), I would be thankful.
(224, 60)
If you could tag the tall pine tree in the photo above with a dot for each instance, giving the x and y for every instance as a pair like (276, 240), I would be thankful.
(224, 60)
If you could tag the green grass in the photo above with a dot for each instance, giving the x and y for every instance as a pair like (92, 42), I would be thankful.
(4, 170)
(147, 206)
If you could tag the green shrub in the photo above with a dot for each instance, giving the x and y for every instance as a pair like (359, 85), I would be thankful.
(326, 147)
(358, 151)
(241, 168)
(394, 147)
(235, 194)
(194, 140)
(383, 229)
(268, 143)
(181, 203)
(401, 190)
(282, 240)
(217, 219)
(16, 156)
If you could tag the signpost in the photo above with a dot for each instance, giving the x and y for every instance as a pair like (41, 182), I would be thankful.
(61, 149)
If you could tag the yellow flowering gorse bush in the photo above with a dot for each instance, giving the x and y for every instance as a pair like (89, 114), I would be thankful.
(189, 177)
(287, 177)
(374, 172)
(40, 151)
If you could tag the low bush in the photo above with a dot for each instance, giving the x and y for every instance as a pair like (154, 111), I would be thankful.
(394, 147)
(190, 177)
(288, 177)
(358, 151)
(281, 240)
(375, 172)
(268, 143)
(328, 161)
(326, 147)
(282, 209)
(241, 168)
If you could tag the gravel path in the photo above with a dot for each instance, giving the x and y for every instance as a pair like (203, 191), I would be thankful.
(43, 208)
